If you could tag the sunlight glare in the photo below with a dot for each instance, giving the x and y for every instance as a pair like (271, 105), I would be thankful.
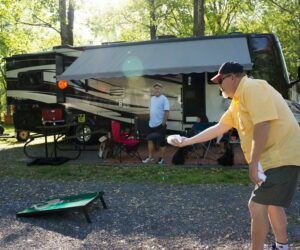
(85, 7)
(104, 5)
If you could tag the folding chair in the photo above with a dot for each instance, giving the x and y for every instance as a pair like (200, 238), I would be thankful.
(206, 146)
(130, 146)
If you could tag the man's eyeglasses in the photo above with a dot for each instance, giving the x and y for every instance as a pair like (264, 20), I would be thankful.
(223, 78)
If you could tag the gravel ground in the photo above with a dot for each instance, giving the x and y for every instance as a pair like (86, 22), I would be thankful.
(140, 216)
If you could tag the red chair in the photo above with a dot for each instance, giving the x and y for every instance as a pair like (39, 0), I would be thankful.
(130, 146)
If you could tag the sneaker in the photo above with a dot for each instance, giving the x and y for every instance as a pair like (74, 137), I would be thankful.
(160, 161)
(148, 160)
(282, 247)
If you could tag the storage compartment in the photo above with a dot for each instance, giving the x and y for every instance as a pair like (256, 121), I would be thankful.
(53, 115)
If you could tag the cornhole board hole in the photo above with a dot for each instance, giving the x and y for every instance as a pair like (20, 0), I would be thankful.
(55, 205)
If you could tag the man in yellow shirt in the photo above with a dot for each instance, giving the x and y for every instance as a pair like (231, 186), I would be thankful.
(270, 137)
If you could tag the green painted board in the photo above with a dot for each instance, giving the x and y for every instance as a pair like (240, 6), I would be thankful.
(60, 203)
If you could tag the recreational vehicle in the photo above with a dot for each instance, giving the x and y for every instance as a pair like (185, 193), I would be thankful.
(114, 81)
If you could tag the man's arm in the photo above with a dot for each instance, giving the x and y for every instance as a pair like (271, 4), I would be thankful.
(206, 135)
(166, 116)
(260, 137)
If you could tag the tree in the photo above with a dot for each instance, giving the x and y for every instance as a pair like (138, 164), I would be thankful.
(152, 21)
(66, 20)
(199, 23)
(224, 17)
(283, 18)
(47, 15)
(149, 15)
(31, 25)
(18, 35)
(2, 88)
(143, 20)
(12, 39)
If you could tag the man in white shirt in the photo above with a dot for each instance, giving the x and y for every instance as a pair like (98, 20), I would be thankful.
(159, 113)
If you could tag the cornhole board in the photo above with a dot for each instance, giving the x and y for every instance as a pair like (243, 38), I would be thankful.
(54, 205)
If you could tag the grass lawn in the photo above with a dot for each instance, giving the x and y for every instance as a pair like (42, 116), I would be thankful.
(129, 174)
(13, 167)
(8, 129)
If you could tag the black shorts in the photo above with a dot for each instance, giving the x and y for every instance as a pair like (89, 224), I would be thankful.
(158, 134)
(279, 187)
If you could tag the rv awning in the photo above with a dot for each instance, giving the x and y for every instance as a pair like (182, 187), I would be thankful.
(159, 58)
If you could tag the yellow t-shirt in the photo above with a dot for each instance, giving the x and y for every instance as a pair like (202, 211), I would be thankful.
(256, 101)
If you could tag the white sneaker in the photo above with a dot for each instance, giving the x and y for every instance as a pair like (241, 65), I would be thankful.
(148, 160)
(160, 161)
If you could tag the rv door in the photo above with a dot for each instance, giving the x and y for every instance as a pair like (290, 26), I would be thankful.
(193, 96)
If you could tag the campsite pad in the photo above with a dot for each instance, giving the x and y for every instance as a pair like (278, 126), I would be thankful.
(53, 205)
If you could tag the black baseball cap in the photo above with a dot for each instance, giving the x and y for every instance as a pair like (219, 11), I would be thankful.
(227, 68)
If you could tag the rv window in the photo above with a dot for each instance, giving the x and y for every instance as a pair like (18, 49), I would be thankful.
(263, 59)
(263, 67)
(259, 43)
(30, 78)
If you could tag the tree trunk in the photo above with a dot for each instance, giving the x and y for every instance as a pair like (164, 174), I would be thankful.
(153, 26)
(70, 22)
(199, 23)
(63, 22)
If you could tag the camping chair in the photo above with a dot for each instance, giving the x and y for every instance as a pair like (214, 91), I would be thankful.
(130, 146)
(205, 146)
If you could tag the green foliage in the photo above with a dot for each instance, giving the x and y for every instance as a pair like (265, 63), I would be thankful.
(31, 25)
(8, 129)
(2, 88)
(179, 20)
(132, 22)
(175, 17)
(25, 28)
(281, 18)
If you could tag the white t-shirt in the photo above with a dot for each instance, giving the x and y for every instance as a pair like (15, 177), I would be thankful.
(158, 106)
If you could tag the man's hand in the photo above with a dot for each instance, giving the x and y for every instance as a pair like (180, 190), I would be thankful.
(176, 140)
(253, 173)
(260, 137)
(206, 135)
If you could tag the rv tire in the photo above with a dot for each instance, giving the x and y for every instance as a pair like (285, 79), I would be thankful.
(22, 135)
(84, 129)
